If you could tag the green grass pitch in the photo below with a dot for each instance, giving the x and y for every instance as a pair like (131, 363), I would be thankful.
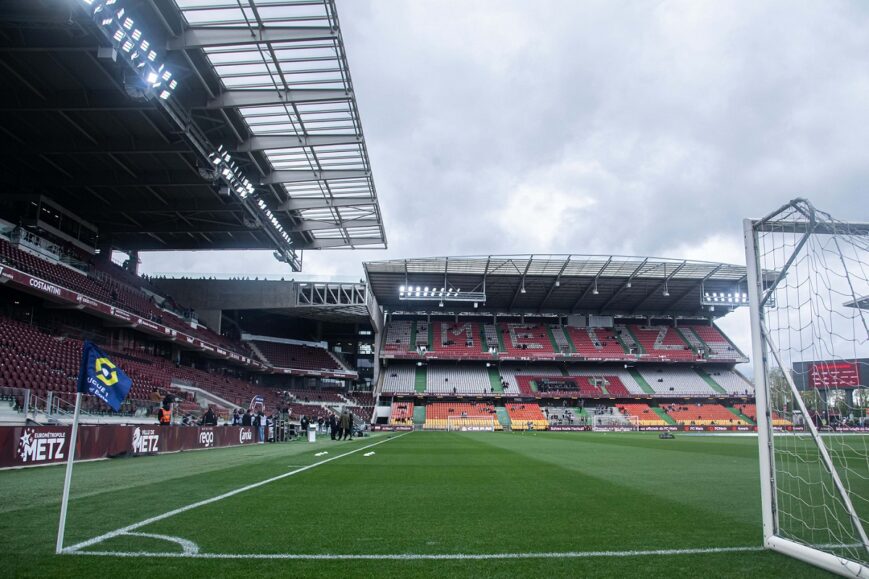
(421, 493)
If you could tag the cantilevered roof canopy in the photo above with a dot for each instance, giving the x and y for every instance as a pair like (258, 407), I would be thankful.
(265, 82)
(561, 284)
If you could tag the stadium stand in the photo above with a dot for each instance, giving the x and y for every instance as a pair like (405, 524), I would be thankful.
(750, 411)
(670, 380)
(661, 342)
(717, 345)
(456, 339)
(644, 413)
(525, 339)
(399, 378)
(703, 414)
(397, 336)
(457, 379)
(597, 343)
(438, 413)
(401, 414)
(282, 355)
(523, 413)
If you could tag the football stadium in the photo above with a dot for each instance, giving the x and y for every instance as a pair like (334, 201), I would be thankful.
(561, 414)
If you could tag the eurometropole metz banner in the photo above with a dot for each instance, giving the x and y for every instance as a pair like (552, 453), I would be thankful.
(34, 445)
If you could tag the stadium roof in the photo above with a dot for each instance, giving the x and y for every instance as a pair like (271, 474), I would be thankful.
(264, 83)
(562, 284)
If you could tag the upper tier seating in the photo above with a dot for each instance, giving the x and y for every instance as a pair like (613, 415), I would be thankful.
(596, 342)
(719, 347)
(401, 414)
(644, 413)
(703, 415)
(301, 357)
(399, 378)
(397, 336)
(456, 339)
(509, 373)
(457, 379)
(662, 342)
(106, 289)
(525, 339)
(586, 386)
(317, 396)
(522, 414)
(438, 413)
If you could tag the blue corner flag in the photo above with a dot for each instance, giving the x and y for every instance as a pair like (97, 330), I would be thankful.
(100, 377)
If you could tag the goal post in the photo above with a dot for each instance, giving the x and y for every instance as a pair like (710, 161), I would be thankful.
(471, 423)
(614, 423)
(808, 282)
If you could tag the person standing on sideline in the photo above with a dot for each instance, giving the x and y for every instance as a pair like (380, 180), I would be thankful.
(247, 419)
(346, 425)
(333, 426)
(260, 423)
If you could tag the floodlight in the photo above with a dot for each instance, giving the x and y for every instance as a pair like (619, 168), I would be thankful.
(167, 75)
(119, 35)
(107, 21)
(152, 56)
(173, 84)
(128, 23)
(136, 35)
(145, 45)
(127, 46)
(165, 94)
(666, 293)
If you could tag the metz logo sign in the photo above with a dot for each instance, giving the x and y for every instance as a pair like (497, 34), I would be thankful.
(36, 446)
(145, 440)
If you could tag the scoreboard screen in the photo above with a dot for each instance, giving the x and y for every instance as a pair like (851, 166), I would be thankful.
(836, 374)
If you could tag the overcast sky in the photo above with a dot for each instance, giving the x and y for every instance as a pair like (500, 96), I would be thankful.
(648, 128)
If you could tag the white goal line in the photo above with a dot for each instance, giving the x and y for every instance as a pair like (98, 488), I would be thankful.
(425, 556)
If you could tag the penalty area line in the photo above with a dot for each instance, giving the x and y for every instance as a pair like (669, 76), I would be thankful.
(75, 549)
(424, 556)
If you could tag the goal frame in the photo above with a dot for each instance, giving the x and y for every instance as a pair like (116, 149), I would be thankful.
(474, 428)
(634, 427)
(763, 347)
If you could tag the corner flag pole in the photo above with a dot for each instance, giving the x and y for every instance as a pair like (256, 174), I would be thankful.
(70, 457)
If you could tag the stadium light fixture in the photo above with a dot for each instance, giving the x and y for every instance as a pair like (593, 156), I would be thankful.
(119, 26)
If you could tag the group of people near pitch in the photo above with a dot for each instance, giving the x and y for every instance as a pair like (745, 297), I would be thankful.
(341, 428)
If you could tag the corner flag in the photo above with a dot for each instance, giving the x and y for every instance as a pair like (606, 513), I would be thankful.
(100, 377)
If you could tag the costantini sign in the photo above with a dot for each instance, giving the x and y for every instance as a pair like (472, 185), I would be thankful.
(28, 446)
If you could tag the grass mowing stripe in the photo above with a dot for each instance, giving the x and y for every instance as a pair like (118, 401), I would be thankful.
(427, 556)
(134, 526)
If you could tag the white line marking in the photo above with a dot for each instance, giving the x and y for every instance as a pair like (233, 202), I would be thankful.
(369, 453)
(321, 453)
(187, 547)
(172, 513)
(423, 556)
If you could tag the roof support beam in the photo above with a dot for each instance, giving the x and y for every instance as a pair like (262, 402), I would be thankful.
(658, 288)
(270, 97)
(555, 283)
(203, 36)
(591, 285)
(320, 203)
(300, 176)
(521, 288)
(332, 243)
(312, 225)
(289, 141)
(624, 286)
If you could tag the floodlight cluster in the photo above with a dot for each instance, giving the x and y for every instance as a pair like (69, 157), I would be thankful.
(410, 291)
(242, 187)
(130, 41)
(735, 298)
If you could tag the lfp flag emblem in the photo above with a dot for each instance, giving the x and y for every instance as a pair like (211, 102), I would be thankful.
(100, 377)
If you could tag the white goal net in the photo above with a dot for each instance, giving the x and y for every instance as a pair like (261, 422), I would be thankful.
(471, 423)
(614, 423)
(808, 286)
